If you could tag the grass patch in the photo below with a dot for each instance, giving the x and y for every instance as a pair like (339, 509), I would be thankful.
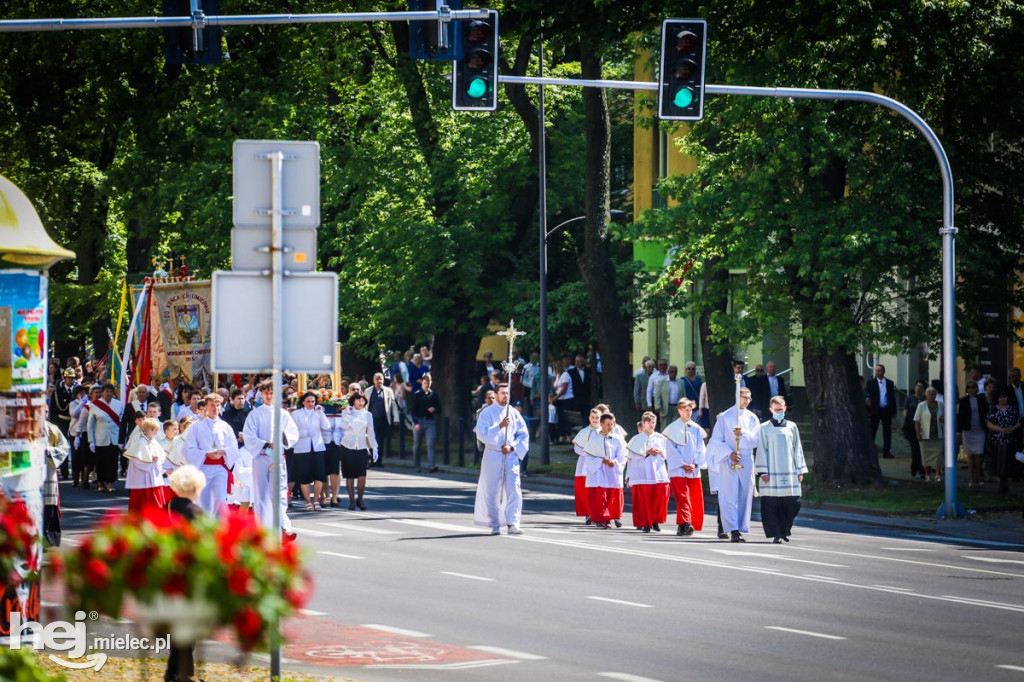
(902, 496)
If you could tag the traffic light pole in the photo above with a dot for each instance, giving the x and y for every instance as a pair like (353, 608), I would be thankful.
(950, 508)
(199, 20)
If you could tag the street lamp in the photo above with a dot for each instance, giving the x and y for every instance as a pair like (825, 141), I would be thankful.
(617, 216)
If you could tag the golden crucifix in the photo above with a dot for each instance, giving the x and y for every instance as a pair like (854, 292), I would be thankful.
(511, 333)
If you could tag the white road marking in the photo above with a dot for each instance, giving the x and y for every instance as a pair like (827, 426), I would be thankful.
(624, 603)
(890, 587)
(802, 632)
(967, 541)
(396, 631)
(439, 526)
(311, 612)
(907, 549)
(908, 561)
(313, 533)
(993, 561)
(509, 653)
(440, 666)
(343, 556)
(626, 677)
(986, 602)
(577, 544)
(1016, 668)
(820, 577)
(465, 575)
(733, 552)
(359, 528)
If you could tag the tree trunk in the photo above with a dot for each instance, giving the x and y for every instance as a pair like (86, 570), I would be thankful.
(717, 363)
(454, 357)
(843, 451)
(596, 266)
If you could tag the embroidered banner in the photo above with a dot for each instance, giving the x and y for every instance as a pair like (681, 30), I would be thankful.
(183, 310)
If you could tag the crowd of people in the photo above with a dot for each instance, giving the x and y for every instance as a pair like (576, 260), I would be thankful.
(989, 426)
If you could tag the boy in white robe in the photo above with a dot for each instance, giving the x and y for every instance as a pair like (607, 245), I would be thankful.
(780, 468)
(144, 479)
(648, 478)
(604, 474)
(579, 443)
(258, 434)
(506, 440)
(735, 469)
(686, 456)
(211, 446)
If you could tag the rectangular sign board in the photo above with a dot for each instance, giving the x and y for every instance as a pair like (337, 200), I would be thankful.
(299, 244)
(242, 323)
(300, 181)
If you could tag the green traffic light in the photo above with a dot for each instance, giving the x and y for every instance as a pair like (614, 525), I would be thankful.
(683, 98)
(477, 87)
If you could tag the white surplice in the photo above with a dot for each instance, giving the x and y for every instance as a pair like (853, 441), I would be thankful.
(499, 472)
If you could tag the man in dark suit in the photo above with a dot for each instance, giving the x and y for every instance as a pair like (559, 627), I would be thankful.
(581, 380)
(881, 407)
(764, 387)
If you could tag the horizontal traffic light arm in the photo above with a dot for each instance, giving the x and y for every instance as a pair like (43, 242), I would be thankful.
(204, 20)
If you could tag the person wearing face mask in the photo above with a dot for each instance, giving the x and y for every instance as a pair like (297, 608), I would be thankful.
(780, 468)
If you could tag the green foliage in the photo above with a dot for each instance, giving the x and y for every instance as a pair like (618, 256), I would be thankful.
(20, 665)
(832, 209)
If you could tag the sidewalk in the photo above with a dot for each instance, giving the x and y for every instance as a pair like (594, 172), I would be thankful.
(1004, 527)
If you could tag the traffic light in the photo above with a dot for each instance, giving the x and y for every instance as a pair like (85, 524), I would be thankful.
(180, 46)
(424, 41)
(684, 45)
(475, 76)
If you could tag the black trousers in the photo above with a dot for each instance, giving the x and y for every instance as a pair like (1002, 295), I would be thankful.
(382, 432)
(916, 467)
(107, 457)
(777, 515)
(885, 419)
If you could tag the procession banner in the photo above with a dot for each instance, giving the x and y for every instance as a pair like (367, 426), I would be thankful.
(184, 313)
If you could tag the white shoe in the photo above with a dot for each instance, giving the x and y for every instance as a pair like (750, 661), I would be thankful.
(515, 530)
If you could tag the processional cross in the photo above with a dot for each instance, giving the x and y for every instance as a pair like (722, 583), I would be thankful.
(509, 366)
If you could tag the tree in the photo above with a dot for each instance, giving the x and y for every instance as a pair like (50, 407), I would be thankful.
(832, 208)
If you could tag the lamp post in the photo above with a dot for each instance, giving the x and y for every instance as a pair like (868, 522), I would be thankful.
(543, 434)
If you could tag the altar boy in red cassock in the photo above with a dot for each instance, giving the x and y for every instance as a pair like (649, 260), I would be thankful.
(686, 456)
(604, 474)
(648, 478)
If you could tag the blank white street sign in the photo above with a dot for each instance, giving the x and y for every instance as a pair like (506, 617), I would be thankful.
(300, 181)
(299, 244)
(241, 325)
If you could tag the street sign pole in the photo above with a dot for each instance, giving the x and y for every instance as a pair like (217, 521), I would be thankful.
(277, 348)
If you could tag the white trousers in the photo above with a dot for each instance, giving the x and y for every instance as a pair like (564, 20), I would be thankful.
(215, 495)
(735, 496)
(263, 492)
(499, 477)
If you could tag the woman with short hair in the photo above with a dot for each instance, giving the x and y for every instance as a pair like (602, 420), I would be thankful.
(357, 445)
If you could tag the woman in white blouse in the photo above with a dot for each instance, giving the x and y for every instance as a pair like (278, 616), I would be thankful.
(356, 446)
(306, 464)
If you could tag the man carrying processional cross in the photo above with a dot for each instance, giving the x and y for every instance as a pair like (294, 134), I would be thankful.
(502, 430)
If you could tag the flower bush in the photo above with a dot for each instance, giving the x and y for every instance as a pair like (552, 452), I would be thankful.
(228, 563)
(17, 542)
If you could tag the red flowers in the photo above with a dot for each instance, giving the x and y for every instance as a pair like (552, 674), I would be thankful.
(97, 573)
(249, 626)
(18, 538)
(228, 563)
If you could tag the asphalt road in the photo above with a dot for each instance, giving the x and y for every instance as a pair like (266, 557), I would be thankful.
(410, 589)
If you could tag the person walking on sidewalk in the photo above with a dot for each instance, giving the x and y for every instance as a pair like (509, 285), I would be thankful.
(506, 440)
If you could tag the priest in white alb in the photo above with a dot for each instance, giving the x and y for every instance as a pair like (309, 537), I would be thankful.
(735, 465)
(781, 468)
(506, 441)
(211, 446)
